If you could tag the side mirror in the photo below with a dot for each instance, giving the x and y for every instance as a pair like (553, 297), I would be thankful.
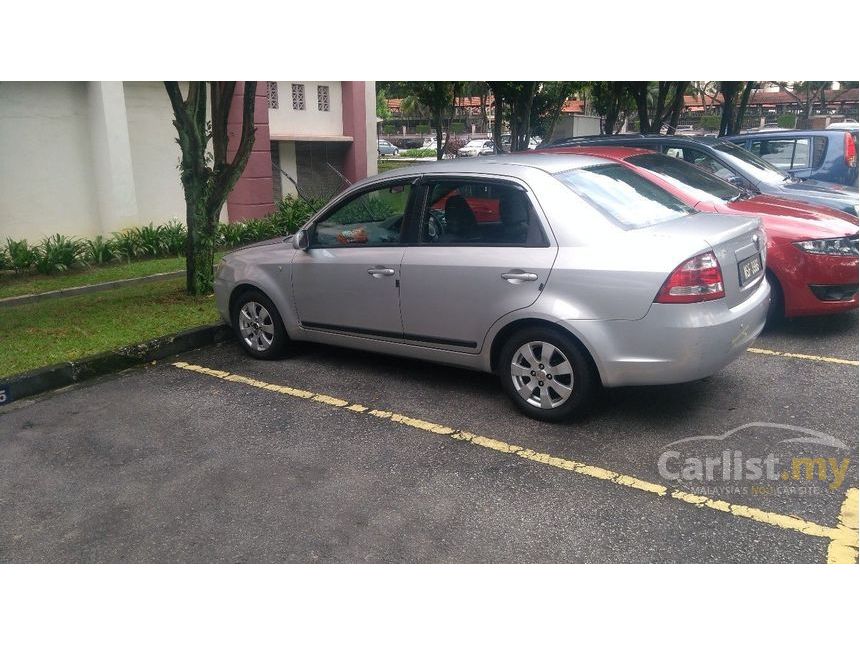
(301, 240)
(734, 180)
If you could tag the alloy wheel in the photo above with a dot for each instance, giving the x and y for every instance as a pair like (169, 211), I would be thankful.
(542, 375)
(256, 326)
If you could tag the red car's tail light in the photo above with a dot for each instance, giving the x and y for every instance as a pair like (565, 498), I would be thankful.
(695, 280)
(850, 150)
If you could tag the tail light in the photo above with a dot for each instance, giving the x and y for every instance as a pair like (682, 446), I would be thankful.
(850, 150)
(695, 280)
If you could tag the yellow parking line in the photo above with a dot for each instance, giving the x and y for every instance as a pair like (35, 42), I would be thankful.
(843, 547)
(805, 357)
(843, 537)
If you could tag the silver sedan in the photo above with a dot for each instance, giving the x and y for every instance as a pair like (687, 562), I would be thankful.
(560, 273)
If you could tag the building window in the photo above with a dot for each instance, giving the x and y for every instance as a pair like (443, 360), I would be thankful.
(322, 98)
(272, 93)
(298, 96)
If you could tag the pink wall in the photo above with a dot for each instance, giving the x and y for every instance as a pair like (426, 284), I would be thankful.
(355, 126)
(253, 195)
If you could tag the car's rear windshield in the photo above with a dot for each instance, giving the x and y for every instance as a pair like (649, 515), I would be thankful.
(619, 193)
(699, 184)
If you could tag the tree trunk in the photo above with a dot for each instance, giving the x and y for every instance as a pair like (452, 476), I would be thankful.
(206, 188)
(729, 90)
(741, 110)
(677, 106)
(437, 117)
(497, 122)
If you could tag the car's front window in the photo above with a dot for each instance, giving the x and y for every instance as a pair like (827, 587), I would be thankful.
(374, 218)
(751, 164)
(624, 196)
(699, 184)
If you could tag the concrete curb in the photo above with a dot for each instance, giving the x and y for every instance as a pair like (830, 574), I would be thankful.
(14, 301)
(52, 377)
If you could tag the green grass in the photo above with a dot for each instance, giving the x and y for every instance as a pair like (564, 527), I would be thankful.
(385, 164)
(59, 330)
(19, 285)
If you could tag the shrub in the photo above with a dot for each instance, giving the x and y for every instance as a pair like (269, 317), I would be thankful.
(788, 121)
(173, 235)
(453, 145)
(710, 122)
(422, 129)
(21, 255)
(389, 129)
(419, 152)
(230, 235)
(58, 253)
(128, 243)
(292, 214)
(255, 230)
(4, 261)
(152, 241)
(458, 128)
(98, 250)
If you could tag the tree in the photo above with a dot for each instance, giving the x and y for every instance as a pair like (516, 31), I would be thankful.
(729, 90)
(207, 178)
(382, 110)
(518, 96)
(806, 94)
(657, 101)
(439, 97)
(548, 104)
(612, 100)
(736, 96)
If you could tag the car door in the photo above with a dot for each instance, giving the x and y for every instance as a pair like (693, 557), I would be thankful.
(466, 273)
(347, 280)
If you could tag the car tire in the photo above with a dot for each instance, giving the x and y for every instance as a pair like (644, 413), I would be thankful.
(776, 309)
(547, 374)
(259, 326)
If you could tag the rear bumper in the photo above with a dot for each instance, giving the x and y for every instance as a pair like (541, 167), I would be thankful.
(674, 343)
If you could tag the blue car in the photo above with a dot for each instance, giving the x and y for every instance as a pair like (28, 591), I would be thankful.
(823, 155)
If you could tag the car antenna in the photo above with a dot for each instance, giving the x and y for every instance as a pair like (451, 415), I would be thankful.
(292, 181)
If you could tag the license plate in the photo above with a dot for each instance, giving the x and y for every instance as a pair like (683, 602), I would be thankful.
(749, 269)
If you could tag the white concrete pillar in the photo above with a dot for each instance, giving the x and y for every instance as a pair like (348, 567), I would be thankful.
(111, 151)
(371, 145)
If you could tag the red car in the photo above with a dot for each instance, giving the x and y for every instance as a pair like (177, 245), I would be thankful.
(812, 260)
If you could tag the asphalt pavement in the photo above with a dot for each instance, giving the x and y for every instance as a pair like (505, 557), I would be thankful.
(333, 455)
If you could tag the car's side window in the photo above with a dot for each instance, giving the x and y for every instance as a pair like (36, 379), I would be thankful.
(475, 213)
(788, 154)
(701, 160)
(374, 218)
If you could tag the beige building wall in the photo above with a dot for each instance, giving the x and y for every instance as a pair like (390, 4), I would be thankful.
(154, 153)
(286, 121)
(47, 181)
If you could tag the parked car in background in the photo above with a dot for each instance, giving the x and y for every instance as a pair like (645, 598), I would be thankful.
(812, 259)
(851, 126)
(386, 148)
(477, 148)
(589, 275)
(823, 155)
(534, 142)
(731, 163)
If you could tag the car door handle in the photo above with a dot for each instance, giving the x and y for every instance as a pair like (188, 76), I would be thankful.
(519, 276)
(377, 272)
